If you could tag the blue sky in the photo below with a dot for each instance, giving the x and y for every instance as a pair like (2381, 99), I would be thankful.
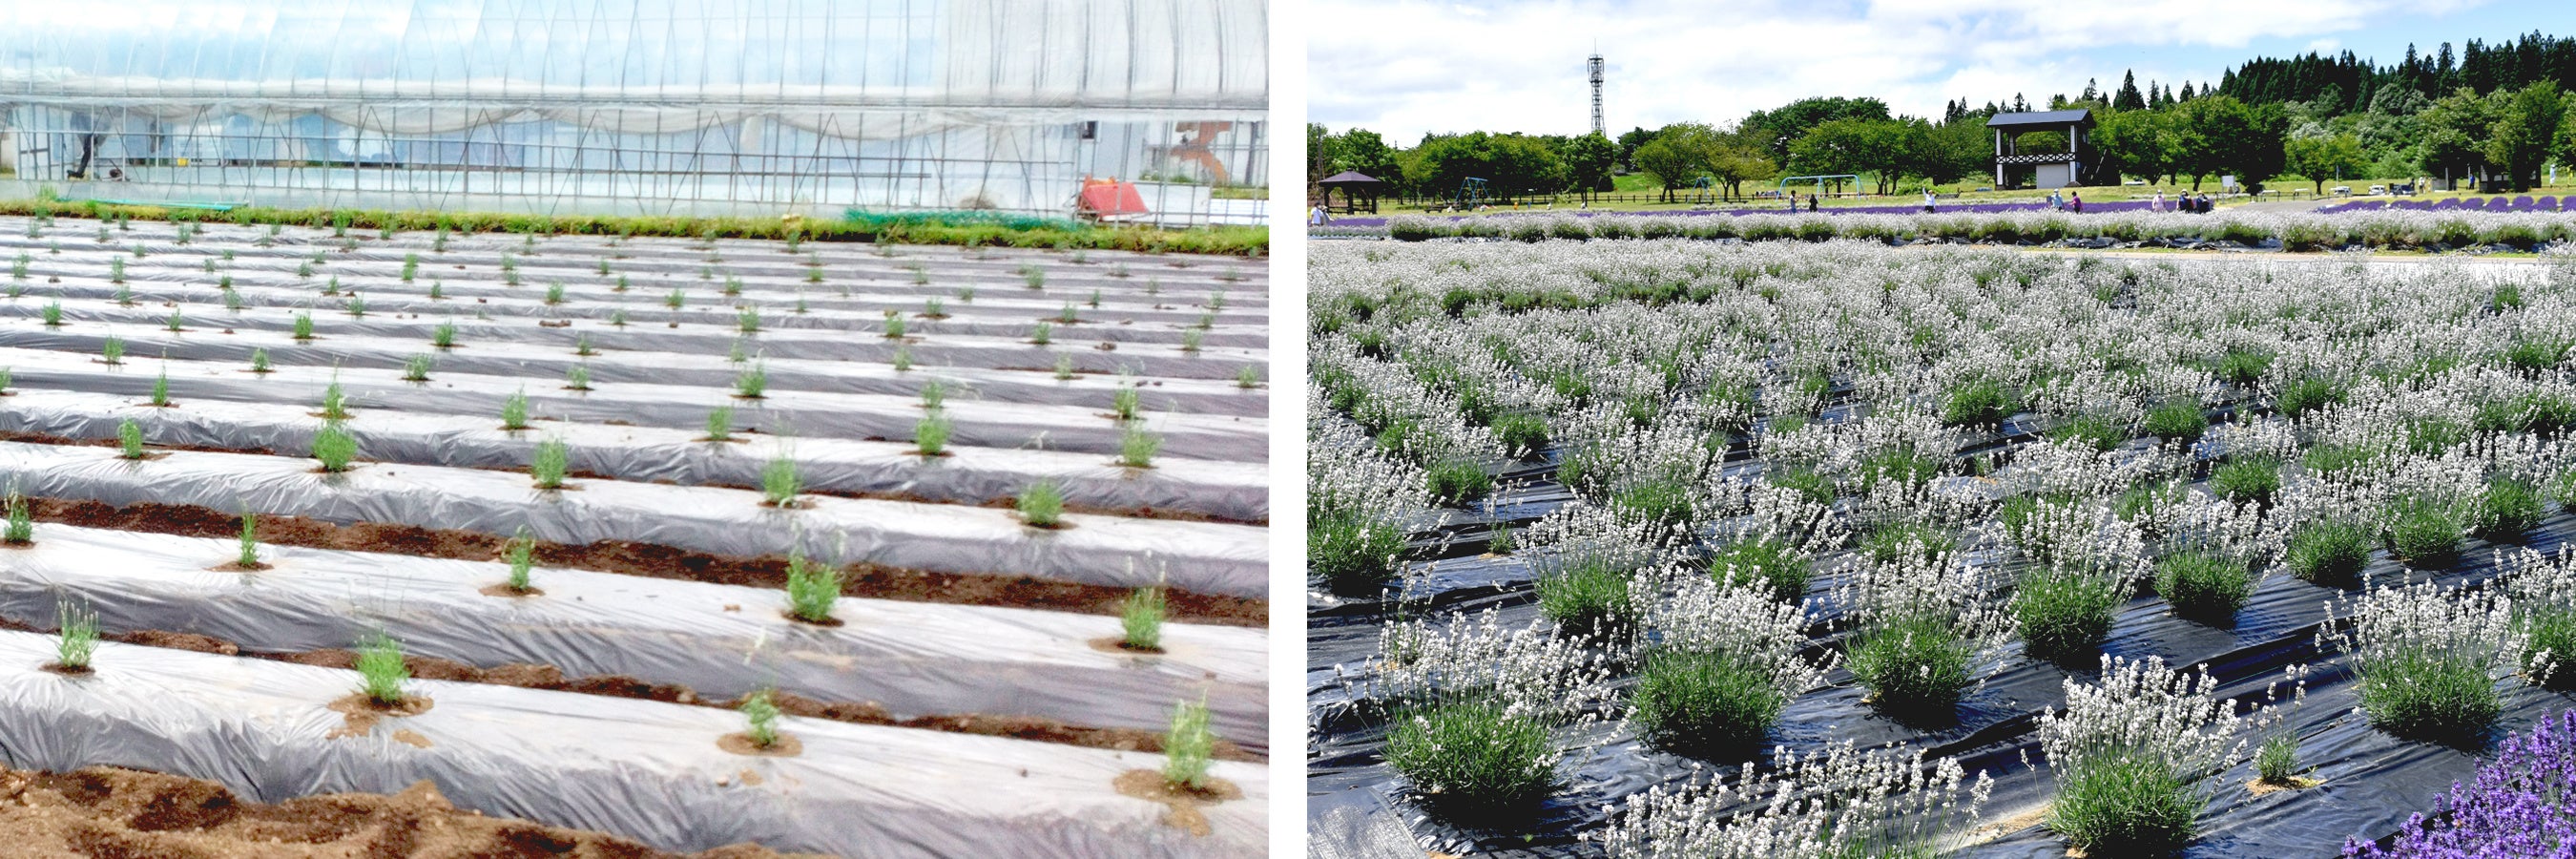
(1410, 66)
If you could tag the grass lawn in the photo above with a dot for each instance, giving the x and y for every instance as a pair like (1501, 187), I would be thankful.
(1637, 192)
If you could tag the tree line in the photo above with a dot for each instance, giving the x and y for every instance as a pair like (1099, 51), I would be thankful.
(2501, 113)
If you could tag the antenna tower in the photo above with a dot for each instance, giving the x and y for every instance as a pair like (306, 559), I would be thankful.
(1595, 65)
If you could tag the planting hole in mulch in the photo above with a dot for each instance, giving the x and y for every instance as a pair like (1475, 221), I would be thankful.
(1181, 803)
(360, 713)
(2261, 788)
(67, 670)
(504, 590)
(787, 746)
(1118, 644)
(239, 567)
(827, 621)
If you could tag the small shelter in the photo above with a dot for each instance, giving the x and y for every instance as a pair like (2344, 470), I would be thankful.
(1359, 192)
(2052, 169)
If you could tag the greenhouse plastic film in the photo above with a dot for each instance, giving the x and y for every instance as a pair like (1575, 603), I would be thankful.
(969, 475)
(1099, 550)
(643, 769)
(722, 641)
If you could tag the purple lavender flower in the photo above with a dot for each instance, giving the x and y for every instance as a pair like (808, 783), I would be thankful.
(2522, 806)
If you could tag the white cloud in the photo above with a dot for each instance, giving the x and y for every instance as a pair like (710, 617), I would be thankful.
(1410, 66)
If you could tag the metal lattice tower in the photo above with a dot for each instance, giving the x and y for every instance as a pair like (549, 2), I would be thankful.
(1595, 65)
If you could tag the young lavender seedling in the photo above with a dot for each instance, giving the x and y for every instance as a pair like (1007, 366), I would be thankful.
(248, 558)
(22, 521)
(1068, 316)
(554, 294)
(934, 395)
(514, 411)
(720, 423)
(357, 307)
(1141, 616)
(303, 326)
(176, 322)
(1064, 368)
(437, 290)
(1035, 277)
(411, 267)
(581, 346)
(894, 327)
(113, 349)
(259, 362)
(335, 403)
(811, 589)
(751, 383)
(79, 636)
(577, 377)
(1136, 447)
(232, 299)
(779, 482)
(1247, 378)
(161, 389)
(1190, 340)
(902, 359)
(417, 369)
(53, 314)
(443, 336)
(617, 318)
(675, 299)
(1187, 747)
(1123, 403)
(129, 439)
(334, 447)
(760, 718)
(748, 319)
(1044, 334)
(521, 553)
(382, 671)
(1042, 504)
(552, 458)
(930, 436)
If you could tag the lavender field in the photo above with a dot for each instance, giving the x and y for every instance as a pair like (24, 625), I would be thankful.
(1633, 546)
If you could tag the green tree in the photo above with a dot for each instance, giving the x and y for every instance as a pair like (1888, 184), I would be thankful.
(1776, 129)
(2450, 135)
(1677, 155)
(2220, 134)
(1363, 150)
(2525, 127)
(2138, 143)
(1588, 162)
(1512, 165)
(2323, 157)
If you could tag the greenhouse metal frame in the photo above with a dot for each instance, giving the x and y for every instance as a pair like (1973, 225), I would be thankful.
(720, 107)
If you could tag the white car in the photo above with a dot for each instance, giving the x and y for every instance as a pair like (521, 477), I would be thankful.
(2378, 189)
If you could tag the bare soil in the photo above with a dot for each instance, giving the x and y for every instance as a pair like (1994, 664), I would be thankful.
(646, 559)
(1181, 804)
(114, 813)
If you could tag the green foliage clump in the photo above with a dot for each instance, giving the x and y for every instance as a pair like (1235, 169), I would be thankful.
(2177, 420)
(1457, 480)
(779, 482)
(1912, 666)
(1352, 553)
(2242, 480)
(2063, 615)
(382, 671)
(78, 636)
(2328, 552)
(2505, 509)
(1472, 759)
(553, 457)
(1187, 746)
(1771, 565)
(2131, 803)
(1978, 403)
(2422, 532)
(1140, 618)
(22, 521)
(812, 589)
(334, 447)
(2303, 396)
(1041, 505)
(2204, 586)
(1706, 703)
(1586, 594)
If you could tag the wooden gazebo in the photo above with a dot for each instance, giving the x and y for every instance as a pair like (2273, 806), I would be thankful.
(1359, 192)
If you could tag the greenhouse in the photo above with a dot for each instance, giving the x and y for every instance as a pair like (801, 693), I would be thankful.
(679, 107)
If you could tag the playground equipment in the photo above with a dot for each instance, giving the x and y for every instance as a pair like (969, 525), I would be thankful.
(1820, 182)
(1471, 194)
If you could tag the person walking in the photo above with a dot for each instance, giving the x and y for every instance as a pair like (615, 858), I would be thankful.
(2158, 204)
(1927, 201)
(1317, 217)
(2076, 201)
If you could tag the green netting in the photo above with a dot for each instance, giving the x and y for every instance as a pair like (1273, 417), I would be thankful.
(957, 218)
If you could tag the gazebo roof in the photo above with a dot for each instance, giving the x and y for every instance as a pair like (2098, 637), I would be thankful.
(2042, 119)
(1351, 177)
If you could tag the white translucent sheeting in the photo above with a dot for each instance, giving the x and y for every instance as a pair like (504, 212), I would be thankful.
(969, 475)
(1099, 550)
(655, 66)
(797, 413)
(723, 641)
(642, 769)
